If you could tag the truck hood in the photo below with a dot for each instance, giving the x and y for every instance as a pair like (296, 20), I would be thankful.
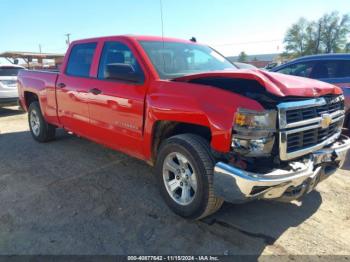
(274, 83)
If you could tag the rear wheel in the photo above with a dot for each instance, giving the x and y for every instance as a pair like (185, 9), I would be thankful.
(39, 128)
(185, 175)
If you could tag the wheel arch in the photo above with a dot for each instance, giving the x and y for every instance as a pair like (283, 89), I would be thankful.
(30, 97)
(163, 129)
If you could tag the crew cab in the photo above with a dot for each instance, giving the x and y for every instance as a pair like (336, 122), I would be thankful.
(211, 131)
(8, 84)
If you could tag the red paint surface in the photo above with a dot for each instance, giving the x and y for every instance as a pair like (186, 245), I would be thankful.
(124, 114)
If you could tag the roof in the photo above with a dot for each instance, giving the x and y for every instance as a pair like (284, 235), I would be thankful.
(138, 38)
(157, 38)
(18, 54)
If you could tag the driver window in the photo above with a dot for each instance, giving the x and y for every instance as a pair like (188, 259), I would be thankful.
(117, 53)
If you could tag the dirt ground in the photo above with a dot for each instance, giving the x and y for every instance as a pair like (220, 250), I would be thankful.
(72, 196)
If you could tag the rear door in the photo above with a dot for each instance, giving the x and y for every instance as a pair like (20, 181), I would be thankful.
(117, 106)
(72, 89)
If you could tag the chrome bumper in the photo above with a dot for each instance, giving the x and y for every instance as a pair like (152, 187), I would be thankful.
(236, 185)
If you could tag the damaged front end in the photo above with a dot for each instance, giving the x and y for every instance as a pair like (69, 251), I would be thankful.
(284, 151)
(286, 158)
(236, 185)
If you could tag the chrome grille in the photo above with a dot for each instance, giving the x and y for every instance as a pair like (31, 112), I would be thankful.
(302, 127)
(332, 106)
(298, 141)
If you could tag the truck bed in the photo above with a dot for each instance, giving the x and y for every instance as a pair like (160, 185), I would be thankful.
(37, 80)
(43, 84)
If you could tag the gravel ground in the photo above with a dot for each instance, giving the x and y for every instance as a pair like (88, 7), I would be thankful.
(72, 196)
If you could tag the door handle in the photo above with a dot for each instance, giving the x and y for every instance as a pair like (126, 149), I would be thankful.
(95, 91)
(61, 85)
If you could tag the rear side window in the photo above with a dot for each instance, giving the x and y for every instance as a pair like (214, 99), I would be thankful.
(80, 59)
(325, 69)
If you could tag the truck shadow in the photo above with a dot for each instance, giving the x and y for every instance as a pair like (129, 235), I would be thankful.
(87, 199)
(262, 222)
(10, 111)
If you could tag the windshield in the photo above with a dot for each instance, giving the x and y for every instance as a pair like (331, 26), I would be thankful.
(176, 59)
(9, 71)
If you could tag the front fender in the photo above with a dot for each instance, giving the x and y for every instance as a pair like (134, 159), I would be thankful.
(194, 104)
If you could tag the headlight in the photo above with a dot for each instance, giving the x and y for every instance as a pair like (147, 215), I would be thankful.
(255, 120)
(253, 132)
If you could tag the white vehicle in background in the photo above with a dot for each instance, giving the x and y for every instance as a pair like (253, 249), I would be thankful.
(8, 84)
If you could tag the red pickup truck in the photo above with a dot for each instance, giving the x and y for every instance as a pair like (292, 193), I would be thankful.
(213, 132)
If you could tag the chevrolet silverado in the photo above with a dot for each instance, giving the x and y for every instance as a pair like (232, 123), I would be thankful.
(212, 132)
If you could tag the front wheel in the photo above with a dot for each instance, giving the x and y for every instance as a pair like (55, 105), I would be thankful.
(184, 170)
(41, 130)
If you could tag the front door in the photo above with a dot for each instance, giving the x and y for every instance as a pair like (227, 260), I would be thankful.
(117, 106)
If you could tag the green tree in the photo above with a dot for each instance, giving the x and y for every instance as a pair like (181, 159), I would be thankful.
(296, 38)
(347, 48)
(326, 35)
(242, 57)
(335, 32)
(314, 33)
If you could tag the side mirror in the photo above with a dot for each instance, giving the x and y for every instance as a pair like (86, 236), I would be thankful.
(126, 72)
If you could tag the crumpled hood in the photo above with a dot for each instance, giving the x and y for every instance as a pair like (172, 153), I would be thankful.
(274, 83)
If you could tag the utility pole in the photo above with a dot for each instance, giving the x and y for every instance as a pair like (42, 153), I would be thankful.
(40, 48)
(68, 38)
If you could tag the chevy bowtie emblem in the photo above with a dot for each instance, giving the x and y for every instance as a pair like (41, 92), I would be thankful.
(326, 120)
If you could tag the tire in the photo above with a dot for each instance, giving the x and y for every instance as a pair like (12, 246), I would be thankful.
(194, 199)
(41, 130)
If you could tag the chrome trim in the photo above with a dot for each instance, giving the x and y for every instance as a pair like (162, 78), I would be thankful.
(314, 120)
(302, 104)
(286, 106)
(236, 185)
(287, 156)
(305, 128)
(338, 149)
(304, 125)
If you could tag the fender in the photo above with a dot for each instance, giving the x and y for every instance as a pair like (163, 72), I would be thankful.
(194, 104)
(43, 85)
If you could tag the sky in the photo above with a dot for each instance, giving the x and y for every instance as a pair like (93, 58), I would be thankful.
(229, 26)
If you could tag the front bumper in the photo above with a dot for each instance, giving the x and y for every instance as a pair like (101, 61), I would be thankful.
(236, 185)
